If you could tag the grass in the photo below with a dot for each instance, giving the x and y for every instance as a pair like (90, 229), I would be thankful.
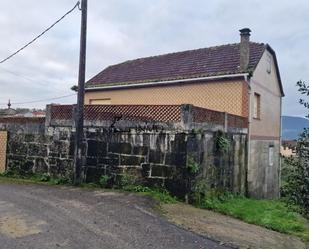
(271, 214)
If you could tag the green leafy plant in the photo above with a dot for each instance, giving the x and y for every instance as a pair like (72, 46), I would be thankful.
(141, 189)
(59, 181)
(192, 166)
(222, 143)
(104, 181)
(45, 177)
(125, 181)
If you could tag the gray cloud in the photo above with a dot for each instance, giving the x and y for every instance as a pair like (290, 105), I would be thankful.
(126, 29)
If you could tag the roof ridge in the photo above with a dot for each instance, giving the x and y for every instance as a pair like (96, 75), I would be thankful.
(184, 51)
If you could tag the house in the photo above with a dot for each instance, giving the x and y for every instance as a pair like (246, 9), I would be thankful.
(241, 79)
(288, 148)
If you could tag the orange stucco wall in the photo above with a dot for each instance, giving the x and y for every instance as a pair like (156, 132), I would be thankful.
(226, 96)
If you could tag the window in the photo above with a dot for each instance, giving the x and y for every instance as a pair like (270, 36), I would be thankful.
(269, 62)
(257, 106)
(271, 155)
(100, 101)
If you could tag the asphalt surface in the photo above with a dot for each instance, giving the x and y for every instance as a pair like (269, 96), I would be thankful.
(39, 217)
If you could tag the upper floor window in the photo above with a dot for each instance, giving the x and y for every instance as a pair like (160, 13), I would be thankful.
(269, 62)
(257, 106)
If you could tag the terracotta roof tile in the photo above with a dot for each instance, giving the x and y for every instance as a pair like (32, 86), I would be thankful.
(203, 62)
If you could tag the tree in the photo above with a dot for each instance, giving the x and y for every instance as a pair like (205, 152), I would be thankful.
(303, 88)
(296, 188)
(74, 88)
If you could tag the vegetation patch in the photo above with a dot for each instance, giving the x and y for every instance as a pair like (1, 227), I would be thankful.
(271, 214)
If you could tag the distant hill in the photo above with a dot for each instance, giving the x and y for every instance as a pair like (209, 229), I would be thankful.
(292, 126)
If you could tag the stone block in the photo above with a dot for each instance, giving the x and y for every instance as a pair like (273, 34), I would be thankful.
(156, 156)
(114, 159)
(27, 166)
(18, 148)
(140, 150)
(40, 166)
(121, 148)
(136, 172)
(176, 159)
(145, 169)
(179, 144)
(29, 138)
(93, 174)
(161, 170)
(131, 160)
(35, 149)
(91, 161)
(193, 145)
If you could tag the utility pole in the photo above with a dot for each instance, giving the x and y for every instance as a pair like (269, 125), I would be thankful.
(79, 111)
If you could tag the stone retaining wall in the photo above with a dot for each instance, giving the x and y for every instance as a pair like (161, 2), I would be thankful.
(153, 151)
(152, 157)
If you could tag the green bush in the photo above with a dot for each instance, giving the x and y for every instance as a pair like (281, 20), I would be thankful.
(59, 181)
(45, 177)
(296, 179)
(125, 181)
(104, 181)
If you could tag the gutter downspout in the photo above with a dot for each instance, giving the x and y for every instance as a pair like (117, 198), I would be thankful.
(247, 79)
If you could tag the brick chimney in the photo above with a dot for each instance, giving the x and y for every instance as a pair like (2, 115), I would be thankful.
(244, 48)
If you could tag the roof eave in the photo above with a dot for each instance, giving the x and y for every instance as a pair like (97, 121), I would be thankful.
(168, 82)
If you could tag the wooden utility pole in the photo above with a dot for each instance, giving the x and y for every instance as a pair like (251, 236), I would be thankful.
(79, 111)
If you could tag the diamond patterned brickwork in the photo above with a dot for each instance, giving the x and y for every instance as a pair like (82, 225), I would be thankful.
(161, 113)
(223, 96)
(3, 147)
(201, 115)
(157, 113)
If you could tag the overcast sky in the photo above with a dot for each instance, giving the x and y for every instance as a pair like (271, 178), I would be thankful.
(119, 30)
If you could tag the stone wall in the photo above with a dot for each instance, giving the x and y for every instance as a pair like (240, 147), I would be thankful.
(157, 145)
(154, 157)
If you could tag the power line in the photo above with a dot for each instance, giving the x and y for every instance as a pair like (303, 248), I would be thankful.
(19, 75)
(46, 30)
(25, 77)
(40, 100)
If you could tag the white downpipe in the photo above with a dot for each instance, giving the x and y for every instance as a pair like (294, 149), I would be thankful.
(166, 82)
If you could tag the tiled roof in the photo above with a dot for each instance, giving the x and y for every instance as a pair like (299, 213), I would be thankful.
(219, 60)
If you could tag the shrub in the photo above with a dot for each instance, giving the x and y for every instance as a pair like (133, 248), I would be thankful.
(296, 185)
(126, 181)
(104, 181)
(45, 177)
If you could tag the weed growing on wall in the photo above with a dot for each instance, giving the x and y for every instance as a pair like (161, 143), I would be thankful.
(222, 143)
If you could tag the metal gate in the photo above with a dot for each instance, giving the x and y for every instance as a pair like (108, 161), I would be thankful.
(3, 145)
